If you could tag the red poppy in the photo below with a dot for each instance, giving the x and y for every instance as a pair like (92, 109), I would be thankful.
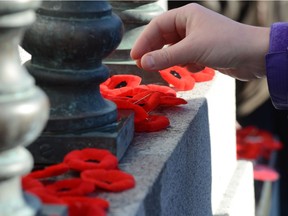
(253, 143)
(179, 77)
(71, 187)
(29, 183)
(45, 196)
(140, 113)
(91, 158)
(164, 89)
(91, 200)
(50, 171)
(265, 173)
(148, 100)
(152, 123)
(85, 209)
(120, 81)
(117, 84)
(171, 101)
(134, 91)
(206, 74)
(111, 180)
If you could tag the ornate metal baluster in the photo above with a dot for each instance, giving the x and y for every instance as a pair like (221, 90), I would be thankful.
(135, 15)
(67, 43)
(23, 108)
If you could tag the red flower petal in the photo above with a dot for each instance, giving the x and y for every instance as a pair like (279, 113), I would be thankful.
(90, 200)
(147, 100)
(50, 171)
(164, 89)
(140, 113)
(205, 75)
(45, 196)
(29, 183)
(120, 81)
(85, 209)
(152, 123)
(253, 143)
(91, 158)
(171, 101)
(111, 180)
(179, 77)
(71, 187)
(134, 91)
(265, 173)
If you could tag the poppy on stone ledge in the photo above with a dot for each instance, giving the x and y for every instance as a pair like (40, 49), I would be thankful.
(117, 84)
(152, 124)
(110, 180)
(179, 77)
(91, 158)
(206, 74)
(71, 187)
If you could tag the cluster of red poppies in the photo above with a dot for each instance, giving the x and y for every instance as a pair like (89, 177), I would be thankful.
(127, 92)
(94, 170)
(254, 144)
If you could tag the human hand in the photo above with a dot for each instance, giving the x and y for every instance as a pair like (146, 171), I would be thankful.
(198, 37)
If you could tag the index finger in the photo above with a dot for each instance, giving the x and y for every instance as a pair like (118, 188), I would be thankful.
(160, 31)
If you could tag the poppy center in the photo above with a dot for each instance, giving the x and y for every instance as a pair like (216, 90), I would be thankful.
(121, 84)
(63, 189)
(175, 74)
(92, 161)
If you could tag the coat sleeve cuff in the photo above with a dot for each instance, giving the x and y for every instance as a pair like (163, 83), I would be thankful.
(277, 65)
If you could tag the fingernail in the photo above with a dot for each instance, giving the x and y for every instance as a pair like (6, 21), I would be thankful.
(149, 62)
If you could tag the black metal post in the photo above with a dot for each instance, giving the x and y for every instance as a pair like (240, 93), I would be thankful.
(135, 16)
(68, 42)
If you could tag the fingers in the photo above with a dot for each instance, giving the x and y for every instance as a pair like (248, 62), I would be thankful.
(159, 32)
(195, 67)
(177, 54)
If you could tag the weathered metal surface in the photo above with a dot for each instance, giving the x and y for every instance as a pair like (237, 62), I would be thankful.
(68, 42)
(135, 15)
(51, 148)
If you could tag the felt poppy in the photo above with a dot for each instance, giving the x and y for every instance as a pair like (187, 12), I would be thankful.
(91, 200)
(45, 196)
(134, 91)
(148, 100)
(122, 80)
(206, 74)
(91, 158)
(84, 209)
(30, 183)
(110, 180)
(152, 124)
(164, 89)
(253, 142)
(248, 151)
(179, 77)
(71, 187)
(50, 171)
(171, 101)
(118, 84)
(140, 113)
(265, 173)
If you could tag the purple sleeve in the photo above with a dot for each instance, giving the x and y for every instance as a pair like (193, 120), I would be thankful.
(277, 65)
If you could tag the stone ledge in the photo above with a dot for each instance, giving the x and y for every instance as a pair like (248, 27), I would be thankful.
(184, 170)
(238, 199)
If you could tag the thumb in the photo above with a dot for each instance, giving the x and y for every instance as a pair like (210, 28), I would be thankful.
(164, 58)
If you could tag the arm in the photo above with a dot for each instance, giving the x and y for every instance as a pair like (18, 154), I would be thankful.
(198, 37)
